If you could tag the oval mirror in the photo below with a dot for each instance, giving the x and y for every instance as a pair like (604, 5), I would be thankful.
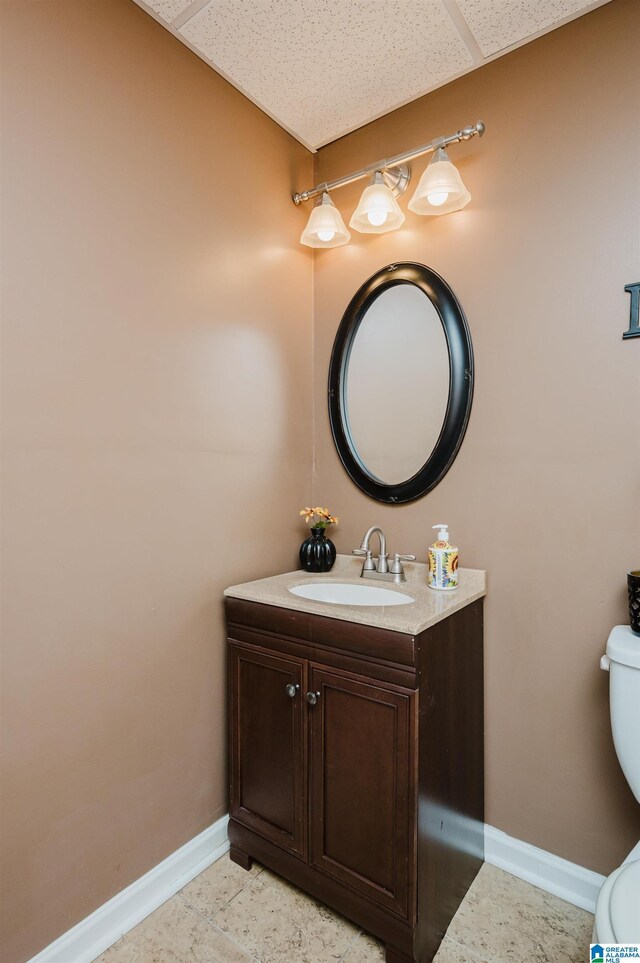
(400, 383)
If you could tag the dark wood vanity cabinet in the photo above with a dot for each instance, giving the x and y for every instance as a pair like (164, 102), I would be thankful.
(268, 748)
(356, 764)
(360, 785)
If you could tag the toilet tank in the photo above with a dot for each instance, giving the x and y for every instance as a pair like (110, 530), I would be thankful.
(623, 652)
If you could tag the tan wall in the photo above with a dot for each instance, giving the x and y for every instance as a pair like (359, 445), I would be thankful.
(544, 492)
(157, 422)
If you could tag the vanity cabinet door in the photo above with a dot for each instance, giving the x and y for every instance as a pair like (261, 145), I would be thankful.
(362, 766)
(268, 745)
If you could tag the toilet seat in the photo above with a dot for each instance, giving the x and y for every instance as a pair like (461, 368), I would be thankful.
(618, 906)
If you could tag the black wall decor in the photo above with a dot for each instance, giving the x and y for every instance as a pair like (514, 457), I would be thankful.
(634, 317)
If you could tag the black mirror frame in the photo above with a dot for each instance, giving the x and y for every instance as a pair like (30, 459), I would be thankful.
(458, 410)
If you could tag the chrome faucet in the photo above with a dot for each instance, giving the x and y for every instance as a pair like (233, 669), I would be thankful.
(383, 557)
(381, 570)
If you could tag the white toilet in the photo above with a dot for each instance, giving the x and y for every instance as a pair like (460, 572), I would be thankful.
(618, 904)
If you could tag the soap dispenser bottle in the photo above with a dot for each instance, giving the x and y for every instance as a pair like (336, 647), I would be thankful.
(443, 562)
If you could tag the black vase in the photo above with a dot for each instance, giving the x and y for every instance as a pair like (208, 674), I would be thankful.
(317, 553)
(633, 584)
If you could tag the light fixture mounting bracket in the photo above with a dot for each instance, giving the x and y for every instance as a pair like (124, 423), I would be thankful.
(397, 179)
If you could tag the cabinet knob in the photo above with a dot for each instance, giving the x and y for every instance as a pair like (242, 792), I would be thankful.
(312, 697)
(291, 690)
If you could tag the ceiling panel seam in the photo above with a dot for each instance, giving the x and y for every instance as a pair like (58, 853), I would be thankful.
(463, 28)
(195, 7)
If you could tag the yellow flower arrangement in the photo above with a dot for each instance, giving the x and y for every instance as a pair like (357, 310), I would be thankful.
(319, 517)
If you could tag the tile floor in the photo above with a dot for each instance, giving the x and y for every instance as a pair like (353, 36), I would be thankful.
(227, 915)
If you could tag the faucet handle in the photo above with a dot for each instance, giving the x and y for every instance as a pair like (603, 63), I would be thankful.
(396, 565)
(369, 564)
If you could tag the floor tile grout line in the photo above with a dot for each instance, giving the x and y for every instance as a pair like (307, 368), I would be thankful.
(247, 885)
(355, 938)
(467, 949)
(198, 913)
(232, 939)
(224, 905)
(217, 929)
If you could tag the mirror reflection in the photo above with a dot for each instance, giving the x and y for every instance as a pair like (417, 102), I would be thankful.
(397, 381)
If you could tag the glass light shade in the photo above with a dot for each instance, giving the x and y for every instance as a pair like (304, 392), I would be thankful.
(440, 189)
(378, 210)
(325, 227)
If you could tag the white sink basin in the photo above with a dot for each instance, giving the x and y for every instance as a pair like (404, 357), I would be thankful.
(345, 593)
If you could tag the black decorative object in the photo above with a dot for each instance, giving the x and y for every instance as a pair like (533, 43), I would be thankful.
(439, 460)
(634, 317)
(317, 553)
(633, 584)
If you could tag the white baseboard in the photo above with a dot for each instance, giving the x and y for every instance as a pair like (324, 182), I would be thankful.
(93, 935)
(109, 922)
(551, 873)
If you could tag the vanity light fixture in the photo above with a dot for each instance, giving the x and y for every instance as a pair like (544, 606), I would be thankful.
(440, 191)
(378, 211)
(325, 227)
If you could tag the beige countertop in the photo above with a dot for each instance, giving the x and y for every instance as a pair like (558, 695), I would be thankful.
(429, 607)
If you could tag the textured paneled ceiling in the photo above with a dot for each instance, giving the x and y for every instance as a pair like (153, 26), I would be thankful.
(321, 68)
